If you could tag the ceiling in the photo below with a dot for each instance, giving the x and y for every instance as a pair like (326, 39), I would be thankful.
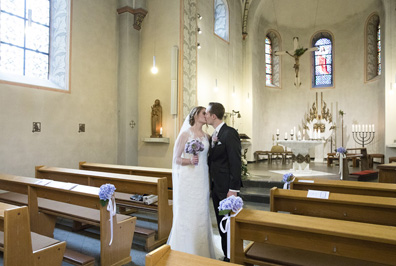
(308, 13)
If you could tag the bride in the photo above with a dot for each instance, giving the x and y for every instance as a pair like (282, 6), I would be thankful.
(192, 228)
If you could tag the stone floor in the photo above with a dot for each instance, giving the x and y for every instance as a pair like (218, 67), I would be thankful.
(88, 242)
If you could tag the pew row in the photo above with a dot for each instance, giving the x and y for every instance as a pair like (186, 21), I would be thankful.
(47, 202)
(358, 208)
(345, 187)
(20, 246)
(284, 239)
(125, 186)
(131, 170)
(164, 255)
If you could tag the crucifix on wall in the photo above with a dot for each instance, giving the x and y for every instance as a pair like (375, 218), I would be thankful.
(296, 53)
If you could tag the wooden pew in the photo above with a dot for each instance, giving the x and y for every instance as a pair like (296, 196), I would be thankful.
(358, 208)
(131, 170)
(20, 246)
(164, 255)
(47, 202)
(345, 187)
(125, 186)
(284, 239)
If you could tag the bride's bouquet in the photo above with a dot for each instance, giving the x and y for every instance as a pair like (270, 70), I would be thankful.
(194, 147)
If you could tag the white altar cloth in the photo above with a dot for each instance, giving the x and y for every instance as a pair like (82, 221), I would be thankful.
(300, 147)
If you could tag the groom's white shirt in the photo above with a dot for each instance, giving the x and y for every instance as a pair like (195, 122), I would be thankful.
(217, 130)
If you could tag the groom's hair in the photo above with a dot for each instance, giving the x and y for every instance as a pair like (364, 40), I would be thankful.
(217, 109)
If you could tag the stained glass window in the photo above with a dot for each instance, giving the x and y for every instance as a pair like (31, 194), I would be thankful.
(221, 19)
(379, 49)
(323, 61)
(24, 37)
(268, 61)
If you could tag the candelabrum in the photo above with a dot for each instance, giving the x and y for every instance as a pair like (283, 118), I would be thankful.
(363, 137)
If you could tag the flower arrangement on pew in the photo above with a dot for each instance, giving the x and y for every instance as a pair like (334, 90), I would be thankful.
(341, 153)
(226, 206)
(287, 179)
(106, 196)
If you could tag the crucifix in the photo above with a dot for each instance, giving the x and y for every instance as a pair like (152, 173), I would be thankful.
(296, 53)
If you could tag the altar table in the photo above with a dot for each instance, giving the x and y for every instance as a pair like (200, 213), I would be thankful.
(300, 150)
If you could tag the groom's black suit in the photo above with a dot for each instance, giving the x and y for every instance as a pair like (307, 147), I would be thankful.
(224, 170)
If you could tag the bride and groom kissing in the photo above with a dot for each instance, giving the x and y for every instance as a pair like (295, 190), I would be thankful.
(216, 168)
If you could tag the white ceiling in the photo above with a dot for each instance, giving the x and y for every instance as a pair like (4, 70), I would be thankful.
(309, 13)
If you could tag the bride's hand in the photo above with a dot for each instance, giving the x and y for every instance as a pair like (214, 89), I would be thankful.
(194, 160)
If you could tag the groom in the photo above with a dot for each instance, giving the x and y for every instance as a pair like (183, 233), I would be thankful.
(224, 162)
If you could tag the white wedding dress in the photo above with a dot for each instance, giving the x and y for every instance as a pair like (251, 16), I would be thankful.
(192, 228)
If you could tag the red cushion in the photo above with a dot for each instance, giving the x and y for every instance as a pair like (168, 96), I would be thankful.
(365, 172)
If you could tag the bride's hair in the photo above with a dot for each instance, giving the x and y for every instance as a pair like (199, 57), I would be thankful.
(194, 111)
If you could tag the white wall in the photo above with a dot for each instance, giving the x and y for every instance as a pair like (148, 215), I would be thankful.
(221, 60)
(160, 32)
(92, 100)
(285, 108)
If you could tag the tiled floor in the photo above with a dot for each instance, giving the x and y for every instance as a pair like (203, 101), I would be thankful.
(87, 241)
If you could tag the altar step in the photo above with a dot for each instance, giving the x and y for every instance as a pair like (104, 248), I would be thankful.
(258, 191)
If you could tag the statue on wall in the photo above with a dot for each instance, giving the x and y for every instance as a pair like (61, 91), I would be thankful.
(156, 119)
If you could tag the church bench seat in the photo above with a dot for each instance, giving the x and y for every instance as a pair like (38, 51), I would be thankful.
(20, 246)
(345, 187)
(341, 239)
(126, 185)
(164, 255)
(131, 170)
(358, 208)
(264, 254)
(63, 200)
(76, 258)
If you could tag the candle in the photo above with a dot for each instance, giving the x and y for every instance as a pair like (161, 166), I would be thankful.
(161, 131)
(359, 130)
(366, 128)
(277, 131)
(291, 132)
(353, 128)
(369, 128)
(373, 128)
(299, 135)
(285, 135)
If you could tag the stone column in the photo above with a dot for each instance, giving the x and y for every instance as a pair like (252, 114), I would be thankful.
(130, 16)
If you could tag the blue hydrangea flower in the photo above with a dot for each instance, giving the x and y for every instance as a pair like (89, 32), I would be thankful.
(229, 204)
(287, 178)
(106, 191)
(341, 150)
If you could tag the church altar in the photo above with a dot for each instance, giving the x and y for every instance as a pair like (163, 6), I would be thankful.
(300, 150)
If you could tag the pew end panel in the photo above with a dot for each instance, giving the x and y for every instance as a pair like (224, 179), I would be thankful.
(153, 257)
(21, 247)
(123, 231)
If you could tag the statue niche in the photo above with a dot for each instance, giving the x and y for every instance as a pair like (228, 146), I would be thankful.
(156, 119)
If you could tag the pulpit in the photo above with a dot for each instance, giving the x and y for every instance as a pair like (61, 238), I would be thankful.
(300, 150)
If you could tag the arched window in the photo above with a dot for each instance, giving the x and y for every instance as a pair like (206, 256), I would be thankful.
(323, 63)
(373, 47)
(272, 68)
(221, 19)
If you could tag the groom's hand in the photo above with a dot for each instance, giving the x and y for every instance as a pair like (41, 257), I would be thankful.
(230, 193)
